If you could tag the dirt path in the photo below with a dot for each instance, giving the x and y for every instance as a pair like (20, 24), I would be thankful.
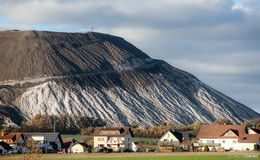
(107, 155)
(41, 79)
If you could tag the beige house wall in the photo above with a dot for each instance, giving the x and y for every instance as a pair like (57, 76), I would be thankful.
(169, 137)
(116, 142)
(100, 140)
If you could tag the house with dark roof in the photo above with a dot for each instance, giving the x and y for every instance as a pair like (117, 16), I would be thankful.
(173, 139)
(227, 137)
(5, 148)
(78, 147)
(67, 143)
(115, 138)
(46, 141)
(15, 140)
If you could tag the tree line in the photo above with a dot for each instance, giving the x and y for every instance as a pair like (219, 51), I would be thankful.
(66, 124)
(71, 124)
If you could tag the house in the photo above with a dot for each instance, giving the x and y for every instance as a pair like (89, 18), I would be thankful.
(46, 141)
(78, 147)
(5, 148)
(173, 139)
(15, 140)
(115, 138)
(227, 137)
(67, 143)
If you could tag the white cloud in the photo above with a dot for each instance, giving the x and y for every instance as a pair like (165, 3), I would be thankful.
(216, 68)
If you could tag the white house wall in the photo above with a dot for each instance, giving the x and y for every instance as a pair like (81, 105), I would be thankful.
(128, 141)
(230, 144)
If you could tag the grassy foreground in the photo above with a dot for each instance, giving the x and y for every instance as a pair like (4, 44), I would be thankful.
(173, 158)
(143, 156)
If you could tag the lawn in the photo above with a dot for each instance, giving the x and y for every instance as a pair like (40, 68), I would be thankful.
(146, 156)
(146, 140)
(77, 137)
(174, 158)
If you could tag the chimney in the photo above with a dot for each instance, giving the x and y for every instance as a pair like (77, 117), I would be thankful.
(2, 133)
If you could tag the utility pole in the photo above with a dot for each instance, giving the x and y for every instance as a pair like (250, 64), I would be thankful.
(54, 126)
(92, 28)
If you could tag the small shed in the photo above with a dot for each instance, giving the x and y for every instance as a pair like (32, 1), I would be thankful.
(78, 147)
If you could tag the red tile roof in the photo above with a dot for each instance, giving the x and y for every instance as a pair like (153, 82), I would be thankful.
(249, 138)
(111, 131)
(217, 131)
(14, 137)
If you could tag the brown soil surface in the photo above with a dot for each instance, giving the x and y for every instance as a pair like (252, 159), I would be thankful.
(38, 54)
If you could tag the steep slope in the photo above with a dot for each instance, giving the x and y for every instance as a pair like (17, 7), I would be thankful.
(103, 76)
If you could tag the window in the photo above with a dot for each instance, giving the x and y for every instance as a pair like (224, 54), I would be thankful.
(210, 141)
(223, 141)
(234, 141)
(101, 139)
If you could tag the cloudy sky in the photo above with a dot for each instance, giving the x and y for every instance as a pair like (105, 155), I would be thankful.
(216, 40)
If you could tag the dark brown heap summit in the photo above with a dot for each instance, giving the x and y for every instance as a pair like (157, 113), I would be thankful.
(33, 54)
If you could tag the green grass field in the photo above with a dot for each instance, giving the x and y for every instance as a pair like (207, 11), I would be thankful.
(146, 140)
(175, 158)
(77, 137)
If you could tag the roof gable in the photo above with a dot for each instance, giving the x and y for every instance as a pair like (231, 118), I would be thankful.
(80, 143)
(231, 133)
(175, 134)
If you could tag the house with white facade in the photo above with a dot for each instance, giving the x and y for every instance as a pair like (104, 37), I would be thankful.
(67, 143)
(78, 147)
(115, 138)
(227, 137)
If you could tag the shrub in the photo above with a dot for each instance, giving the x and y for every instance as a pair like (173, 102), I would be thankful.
(213, 149)
(89, 149)
(179, 149)
(206, 148)
(256, 147)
